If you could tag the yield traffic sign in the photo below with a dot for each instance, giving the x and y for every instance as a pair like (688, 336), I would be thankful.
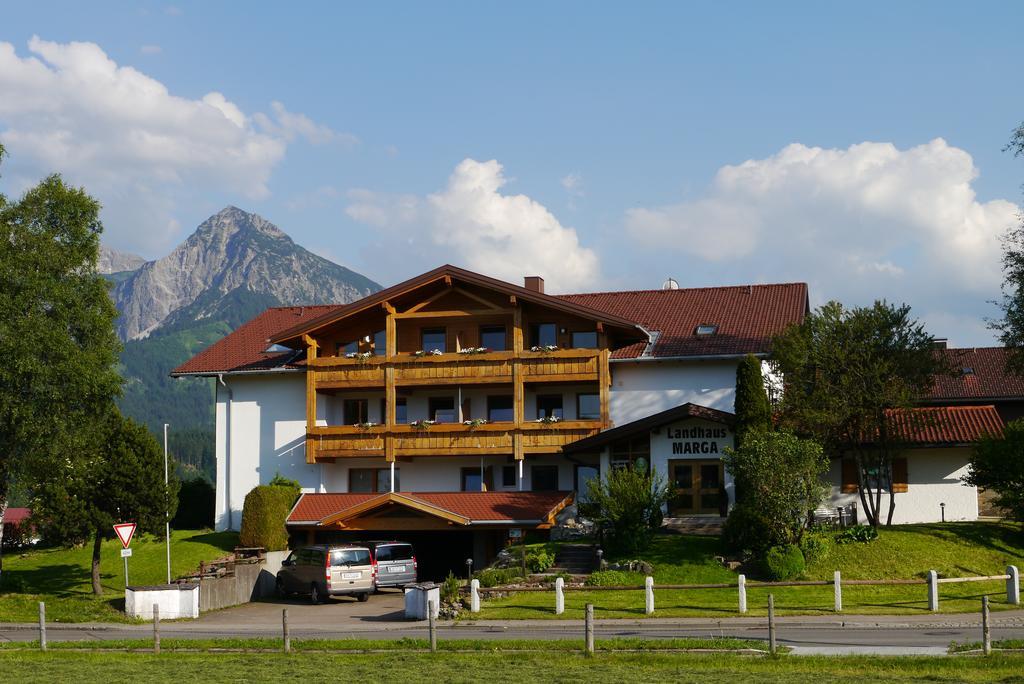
(125, 532)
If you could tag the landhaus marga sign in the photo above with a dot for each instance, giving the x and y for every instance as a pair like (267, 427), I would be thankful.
(692, 438)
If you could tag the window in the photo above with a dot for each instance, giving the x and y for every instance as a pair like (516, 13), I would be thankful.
(492, 337)
(370, 480)
(508, 476)
(342, 348)
(393, 552)
(473, 480)
(499, 409)
(706, 329)
(549, 405)
(441, 409)
(345, 557)
(632, 451)
(380, 343)
(355, 411)
(401, 412)
(588, 407)
(544, 478)
(584, 474)
(433, 338)
(543, 335)
(584, 339)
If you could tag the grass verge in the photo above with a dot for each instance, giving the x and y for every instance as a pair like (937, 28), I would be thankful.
(62, 577)
(23, 666)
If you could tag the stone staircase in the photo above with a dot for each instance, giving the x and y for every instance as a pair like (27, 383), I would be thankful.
(574, 559)
(705, 525)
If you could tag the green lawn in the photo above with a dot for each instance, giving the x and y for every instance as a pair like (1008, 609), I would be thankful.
(952, 549)
(61, 577)
(24, 666)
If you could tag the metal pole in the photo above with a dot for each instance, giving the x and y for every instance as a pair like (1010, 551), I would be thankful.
(588, 628)
(771, 624)
(156, 628)
(167, 514)
(432, 626)
(125, 573)
(986, 628)
(284, 631)
(42, 625)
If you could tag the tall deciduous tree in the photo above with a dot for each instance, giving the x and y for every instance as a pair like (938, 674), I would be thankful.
(752, 409)
(119, 478)
(57, 336)
(845, 372)
(1011, 326)
(997, 464)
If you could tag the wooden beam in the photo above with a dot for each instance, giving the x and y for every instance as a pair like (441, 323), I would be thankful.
(429, 300)
(477, 298)
(310, 397)
(448, 281)
(453, 313)
(604, 382)
(517, 329)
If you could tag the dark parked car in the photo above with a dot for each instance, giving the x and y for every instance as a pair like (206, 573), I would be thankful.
(395, 562)
(321, 571)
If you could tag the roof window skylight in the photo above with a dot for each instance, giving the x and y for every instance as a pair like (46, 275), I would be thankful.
(706, 329)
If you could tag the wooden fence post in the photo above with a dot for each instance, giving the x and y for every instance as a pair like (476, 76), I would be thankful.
(1013, 585)
(285, 633)
(432, 626)
(588, 628)
(837, 581)
(771, 624)
(156, 628)
(649, 595)
(986, 631)
(42, 625)
(559, 596)
(474, 596)
(933, 591)
(741, 585)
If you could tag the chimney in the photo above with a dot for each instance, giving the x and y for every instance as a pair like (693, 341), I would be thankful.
(535, 283)
(940, 343)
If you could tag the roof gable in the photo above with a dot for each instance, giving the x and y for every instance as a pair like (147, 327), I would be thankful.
(648, 423)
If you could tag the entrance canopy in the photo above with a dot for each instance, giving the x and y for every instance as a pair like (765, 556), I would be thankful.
(415, 511)
(644, 426)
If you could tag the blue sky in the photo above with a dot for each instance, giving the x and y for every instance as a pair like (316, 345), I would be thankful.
(855, 147)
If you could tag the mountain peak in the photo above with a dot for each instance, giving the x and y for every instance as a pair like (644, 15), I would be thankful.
(232, 252)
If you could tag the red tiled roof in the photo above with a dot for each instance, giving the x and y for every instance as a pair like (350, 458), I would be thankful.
(13, 516)
(476, 506)
(936, 425)
(245, 348)
(987, 377)
(747, 317)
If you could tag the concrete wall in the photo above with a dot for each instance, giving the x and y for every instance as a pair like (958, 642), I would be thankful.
(933, 477)
(250, 582)
(174, 601)
(642, 388)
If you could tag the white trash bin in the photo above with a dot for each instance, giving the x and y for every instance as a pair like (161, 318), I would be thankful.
(417, 598)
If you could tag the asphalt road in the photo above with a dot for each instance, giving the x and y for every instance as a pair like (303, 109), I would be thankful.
(382, 618)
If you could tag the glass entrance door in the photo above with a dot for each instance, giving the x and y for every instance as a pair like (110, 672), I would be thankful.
(696, 487)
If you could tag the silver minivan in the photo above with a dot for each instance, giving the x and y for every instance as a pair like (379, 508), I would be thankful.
(321, 571)
(395, 563)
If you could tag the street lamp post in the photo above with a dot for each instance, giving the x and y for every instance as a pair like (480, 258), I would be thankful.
(167, 515)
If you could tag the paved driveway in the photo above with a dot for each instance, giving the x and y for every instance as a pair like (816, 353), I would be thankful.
(339, 613)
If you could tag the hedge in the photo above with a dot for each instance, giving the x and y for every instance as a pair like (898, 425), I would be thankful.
(263, 516)
(196, 503)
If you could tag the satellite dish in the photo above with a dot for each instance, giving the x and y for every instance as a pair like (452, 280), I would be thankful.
(670, 284)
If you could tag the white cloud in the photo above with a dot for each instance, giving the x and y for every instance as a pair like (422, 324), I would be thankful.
(290, 126)
(573, 184)
(871, 221)
(472, 224)
(141, 150)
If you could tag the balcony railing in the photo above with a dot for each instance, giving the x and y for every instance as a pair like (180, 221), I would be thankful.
(563, 365)
(444, 439)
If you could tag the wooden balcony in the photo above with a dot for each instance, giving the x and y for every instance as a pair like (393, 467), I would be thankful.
(563, 365)
(443, 439)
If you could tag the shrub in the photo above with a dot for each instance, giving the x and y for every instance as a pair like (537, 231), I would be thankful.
(282, 481)
(196, 503)
(615, 578)
(815, 547)
(263, 516)
(625, 506)
(496, 577)
(450, 588)
(747, 530)
(539, 561)
(857, 533)
(783, 562)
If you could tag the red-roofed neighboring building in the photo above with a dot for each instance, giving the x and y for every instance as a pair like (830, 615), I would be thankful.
(16, 527)
(980, 377)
